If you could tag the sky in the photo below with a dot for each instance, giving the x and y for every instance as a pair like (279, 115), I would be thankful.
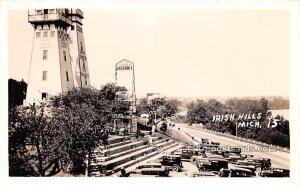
(177, 52)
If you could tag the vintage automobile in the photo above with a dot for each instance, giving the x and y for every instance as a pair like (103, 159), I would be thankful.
(200, 174)
(150, 172)
(213, 165)
(187, 153)
(171, 162)
(170, 121)
(204, 141)
(209, 148)
(231, 149)
(232, 157)
(215, 143)
(275, 172)
(157, 169)
(203, 156)
(241, 172)
(245, 156)
(259, 163)
(249, 167)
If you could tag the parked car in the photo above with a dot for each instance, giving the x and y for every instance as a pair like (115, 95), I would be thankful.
(203, 156)
(187, 153)
(171, 162)
(275, 172)
(245, 156)
(249, 167)
(160, 172)
(241, 172)
(259, 163)
(232, 149)
(204, 141)
(213, 165)
(200, 174)
(157, 169)
(209, 148)
(232, 157)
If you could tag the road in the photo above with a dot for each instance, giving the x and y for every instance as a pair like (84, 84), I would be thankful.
(279, 159)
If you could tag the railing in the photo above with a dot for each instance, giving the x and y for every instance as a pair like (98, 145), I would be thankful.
(48, 17)
(77, 11)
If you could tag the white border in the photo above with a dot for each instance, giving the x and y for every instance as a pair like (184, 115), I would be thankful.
(291, 6)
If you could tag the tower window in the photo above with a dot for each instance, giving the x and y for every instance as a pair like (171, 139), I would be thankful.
(81, 48)
(39, 12)
(67, 76)
(52, 34)
(65, 55)
(51, 11)
(85, 80)
(44, 96)
(45, 34)
(45, 54)
(38, 35)
(44, 75)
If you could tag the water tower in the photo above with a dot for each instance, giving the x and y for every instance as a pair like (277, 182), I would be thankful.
(58, 59)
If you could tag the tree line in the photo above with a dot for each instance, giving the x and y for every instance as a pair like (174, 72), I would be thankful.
(202, 112)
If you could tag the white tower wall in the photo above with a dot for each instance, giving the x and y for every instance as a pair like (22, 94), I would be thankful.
(79, 58)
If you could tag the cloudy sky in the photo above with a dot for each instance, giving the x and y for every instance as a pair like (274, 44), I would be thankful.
(177, 52)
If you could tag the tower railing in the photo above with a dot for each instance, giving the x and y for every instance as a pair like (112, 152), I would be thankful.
(48, 17)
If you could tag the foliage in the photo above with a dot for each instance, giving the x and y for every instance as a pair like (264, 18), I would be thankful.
(203, 112)
(279, 103)
(16, 92)
(43, 140)
(161, 106)
(36, 144)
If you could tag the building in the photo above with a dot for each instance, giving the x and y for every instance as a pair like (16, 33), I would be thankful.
(151, 96)
(58, 59)
(124, 77)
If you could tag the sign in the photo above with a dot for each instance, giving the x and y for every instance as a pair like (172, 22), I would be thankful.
(134, 124)
(124, 66)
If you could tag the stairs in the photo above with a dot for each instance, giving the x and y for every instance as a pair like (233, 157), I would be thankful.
(127, 151)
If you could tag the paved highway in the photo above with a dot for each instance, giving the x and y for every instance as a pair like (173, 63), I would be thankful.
(279, 159)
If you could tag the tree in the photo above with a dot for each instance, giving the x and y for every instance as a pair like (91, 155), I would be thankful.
(84, 112)
(43, 140)
(36, 144)
(142, 106)
(170, 107)
(16, 92)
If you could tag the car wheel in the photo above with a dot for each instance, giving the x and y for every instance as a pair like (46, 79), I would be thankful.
(175, 168)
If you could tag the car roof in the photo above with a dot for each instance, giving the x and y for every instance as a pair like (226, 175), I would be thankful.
(204, 173)
(150, 163)
(246, 154)
(153, 169)
(215, 156)
(244, 166)
(218, 159)
(241, 169)
(176, 156)
(283, 169)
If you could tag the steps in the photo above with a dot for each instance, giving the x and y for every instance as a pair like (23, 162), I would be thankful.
(127, 151)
